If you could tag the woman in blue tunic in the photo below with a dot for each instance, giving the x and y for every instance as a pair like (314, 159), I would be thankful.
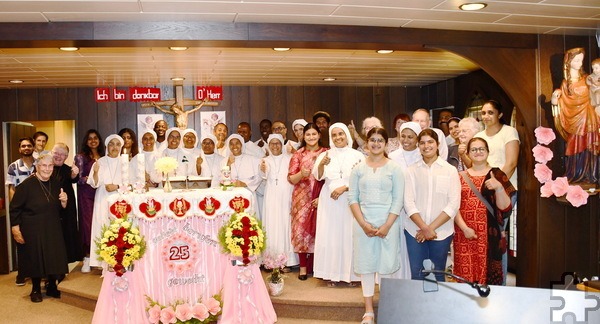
(376, 198)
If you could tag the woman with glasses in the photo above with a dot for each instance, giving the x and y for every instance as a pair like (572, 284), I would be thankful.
(431, 199)
(376, 192)
(478, 245)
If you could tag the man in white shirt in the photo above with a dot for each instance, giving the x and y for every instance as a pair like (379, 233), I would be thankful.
(245, 131)
(422, 117)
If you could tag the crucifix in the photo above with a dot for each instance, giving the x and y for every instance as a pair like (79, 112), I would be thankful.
(177, 106)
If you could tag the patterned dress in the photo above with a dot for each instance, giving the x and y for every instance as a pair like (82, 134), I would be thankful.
(481, 259)
(303, 226)
(470, 256)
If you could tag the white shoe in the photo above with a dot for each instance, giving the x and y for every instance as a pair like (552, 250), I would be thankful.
(85, 268)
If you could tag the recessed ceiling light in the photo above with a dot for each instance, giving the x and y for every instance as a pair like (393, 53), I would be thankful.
(69, 48)
(177, 79)
(281, 49)
(329, 79)
(178, 48)
(385, 51)
(472, 6)
(16, 81)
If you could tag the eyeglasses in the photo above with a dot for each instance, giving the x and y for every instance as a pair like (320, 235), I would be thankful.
(376, 140)
(278, 129)
(478, 149)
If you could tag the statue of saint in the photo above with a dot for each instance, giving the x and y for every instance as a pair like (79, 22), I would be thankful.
(576, 121)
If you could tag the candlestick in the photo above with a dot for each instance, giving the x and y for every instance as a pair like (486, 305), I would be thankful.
(141, 168)
(125, 169)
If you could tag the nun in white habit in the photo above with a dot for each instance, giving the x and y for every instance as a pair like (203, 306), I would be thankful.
(147, 143)
(333, 240)
(211, 160)
(172, 147)
(278, 200)
(105, 175)
(244, 167)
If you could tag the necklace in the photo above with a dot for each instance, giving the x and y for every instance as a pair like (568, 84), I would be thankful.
(235, 164)
(47, 191)
(278, 168)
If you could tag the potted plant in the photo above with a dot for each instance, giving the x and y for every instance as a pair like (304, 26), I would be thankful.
(275, 278)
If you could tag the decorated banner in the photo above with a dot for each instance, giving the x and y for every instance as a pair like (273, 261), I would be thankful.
(209, 92)
(102, 94)
(144, 94)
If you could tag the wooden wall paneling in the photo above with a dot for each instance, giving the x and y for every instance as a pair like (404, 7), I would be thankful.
(126, 115)
(66, 102)
(364, 102)
(48, 104)
(8, 98)
(312, 102)
(27, 99)
(581, 229)
(107, 118)
(381, 106)
(225, 104)
(413, 99)
(397, 97)
(239, 108)
(87, 112)
(347, 107)
(296, 107)
(330, 101)
(277, 103)
(257, 109)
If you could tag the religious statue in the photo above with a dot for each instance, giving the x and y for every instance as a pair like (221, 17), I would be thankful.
(177, 106)
(577, 122)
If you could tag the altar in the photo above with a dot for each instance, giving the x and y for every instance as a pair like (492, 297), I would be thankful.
(183, 272)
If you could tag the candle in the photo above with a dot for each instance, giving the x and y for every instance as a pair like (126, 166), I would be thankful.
(141, 168)
(125, 169)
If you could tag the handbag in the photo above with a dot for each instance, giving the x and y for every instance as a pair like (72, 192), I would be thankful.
(477, 192)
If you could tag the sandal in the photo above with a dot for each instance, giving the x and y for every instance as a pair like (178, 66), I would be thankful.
(332, 284)
(352, 284)
(368, 321)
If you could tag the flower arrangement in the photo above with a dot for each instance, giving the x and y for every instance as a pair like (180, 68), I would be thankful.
(180, 312)
(242, 236)
(166, 164)
(558, 187)
(276, 263)
(120, 244)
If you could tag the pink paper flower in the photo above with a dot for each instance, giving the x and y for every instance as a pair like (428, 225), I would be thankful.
(167, 315)
(560, 186)
(154, 314)
(546, 189)
(542, 173)
(542, 154)
(184, 312)
(200, 311)
(577, 196)
(213, 306)
(544, 135)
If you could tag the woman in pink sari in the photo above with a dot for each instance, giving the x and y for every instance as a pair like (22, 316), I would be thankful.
(304, 197)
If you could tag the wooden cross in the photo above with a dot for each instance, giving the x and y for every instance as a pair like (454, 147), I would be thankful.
(177, 106)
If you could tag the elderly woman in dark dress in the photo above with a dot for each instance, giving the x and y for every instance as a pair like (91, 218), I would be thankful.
(35, 225)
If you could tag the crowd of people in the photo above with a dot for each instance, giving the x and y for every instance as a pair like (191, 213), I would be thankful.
(344, 205)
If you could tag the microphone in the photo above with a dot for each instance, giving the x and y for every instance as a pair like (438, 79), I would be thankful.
(429, 270)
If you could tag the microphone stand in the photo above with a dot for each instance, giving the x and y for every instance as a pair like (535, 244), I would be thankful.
(482, 290)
